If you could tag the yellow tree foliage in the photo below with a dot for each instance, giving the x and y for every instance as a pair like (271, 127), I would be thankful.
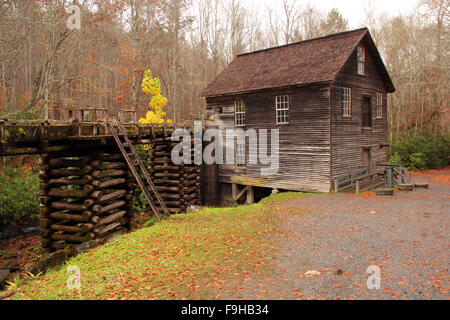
(155, 115)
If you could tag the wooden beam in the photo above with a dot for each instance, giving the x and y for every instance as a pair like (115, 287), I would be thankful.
(240, 194)
(250, 195)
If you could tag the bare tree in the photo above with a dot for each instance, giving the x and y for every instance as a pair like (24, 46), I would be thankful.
(292, 13)
(310, 22)
(48, 69)
(274, 27)
(236, 28)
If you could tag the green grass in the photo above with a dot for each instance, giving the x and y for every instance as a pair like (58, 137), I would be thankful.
(186, 256)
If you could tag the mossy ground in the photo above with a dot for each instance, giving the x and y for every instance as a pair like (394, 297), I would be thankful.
(186, 256)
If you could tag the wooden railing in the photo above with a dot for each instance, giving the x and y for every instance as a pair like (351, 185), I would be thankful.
(100, 115)
(371, 180)
(347, 181)
(127, 116)
(90, 115)
(357, 178)
(395, 174)
(362, 179)
(97, 118)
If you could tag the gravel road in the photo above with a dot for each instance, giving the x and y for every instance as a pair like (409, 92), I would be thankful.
(341, 235)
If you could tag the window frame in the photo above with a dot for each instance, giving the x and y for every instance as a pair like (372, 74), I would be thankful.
(361, 58)
(286, 106)
(239, 148)
(239, 115)
(379, 99)
(346, 104)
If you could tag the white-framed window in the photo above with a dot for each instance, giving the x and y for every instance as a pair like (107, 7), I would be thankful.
(379, 105)
(240, 155)
(239, 113)
(361, 61)
(347, 102)
(282, 106)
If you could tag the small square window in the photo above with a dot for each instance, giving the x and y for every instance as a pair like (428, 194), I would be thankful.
(239, 113)
(347, 102)
(282, 107)
(361, 61)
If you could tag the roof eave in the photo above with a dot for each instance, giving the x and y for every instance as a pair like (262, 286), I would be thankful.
(265, 89)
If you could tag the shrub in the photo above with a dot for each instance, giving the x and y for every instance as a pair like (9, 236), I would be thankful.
(19, 194)
(417, 161)
(421, 151)
(139, 201)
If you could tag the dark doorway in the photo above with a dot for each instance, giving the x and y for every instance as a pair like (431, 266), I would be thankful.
(366, 113)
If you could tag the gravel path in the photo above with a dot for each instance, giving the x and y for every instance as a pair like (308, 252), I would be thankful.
(341, 235)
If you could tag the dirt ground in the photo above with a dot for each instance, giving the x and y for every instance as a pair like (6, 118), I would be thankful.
(341, 235)
(336, 238)
(19, 252)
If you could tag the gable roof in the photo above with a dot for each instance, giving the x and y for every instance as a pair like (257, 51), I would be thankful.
(312, 61)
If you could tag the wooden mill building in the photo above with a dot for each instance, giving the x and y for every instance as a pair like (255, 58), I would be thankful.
(328, 98)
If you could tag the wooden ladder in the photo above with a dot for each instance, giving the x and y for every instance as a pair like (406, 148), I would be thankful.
(137, 167)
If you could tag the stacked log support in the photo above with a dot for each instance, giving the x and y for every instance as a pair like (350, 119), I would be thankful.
(113, 191)
(178, 185)
(86, 190)
(85, 195)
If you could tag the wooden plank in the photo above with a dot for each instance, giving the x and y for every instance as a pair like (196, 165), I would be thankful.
(240, 194)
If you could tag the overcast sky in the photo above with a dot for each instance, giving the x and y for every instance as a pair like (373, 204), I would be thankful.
(353, 10)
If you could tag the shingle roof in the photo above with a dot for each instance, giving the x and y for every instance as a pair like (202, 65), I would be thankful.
(311, 61)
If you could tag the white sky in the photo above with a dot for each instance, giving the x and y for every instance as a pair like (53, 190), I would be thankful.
(353, 10)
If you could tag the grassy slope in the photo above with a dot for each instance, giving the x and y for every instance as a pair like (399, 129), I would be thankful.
(185, 256)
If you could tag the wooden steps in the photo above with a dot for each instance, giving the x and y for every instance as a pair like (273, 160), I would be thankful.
(137, 168)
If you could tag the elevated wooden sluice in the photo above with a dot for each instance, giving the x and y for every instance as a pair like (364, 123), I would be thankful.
(87, 188)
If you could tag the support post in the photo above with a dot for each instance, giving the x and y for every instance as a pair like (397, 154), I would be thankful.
(234, 192)
(250, 195)
(64, 223)
(389, 177)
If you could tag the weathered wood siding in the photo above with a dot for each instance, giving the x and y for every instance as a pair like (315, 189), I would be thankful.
(349, 138)
(304, 143)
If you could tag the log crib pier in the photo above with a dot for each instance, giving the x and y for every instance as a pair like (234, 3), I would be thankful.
(86, 185)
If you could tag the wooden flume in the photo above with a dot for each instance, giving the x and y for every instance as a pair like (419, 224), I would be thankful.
(87, 184)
